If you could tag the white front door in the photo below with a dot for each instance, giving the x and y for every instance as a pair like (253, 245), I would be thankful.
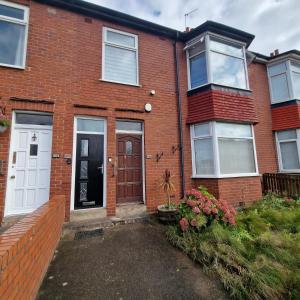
(28, 183)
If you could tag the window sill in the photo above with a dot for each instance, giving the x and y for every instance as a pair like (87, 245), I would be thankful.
(224, 176)
(12, 67)
(122, 83)
(289, 171)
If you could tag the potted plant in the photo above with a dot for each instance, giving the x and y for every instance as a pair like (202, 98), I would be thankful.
(4, 123)
(167, 213)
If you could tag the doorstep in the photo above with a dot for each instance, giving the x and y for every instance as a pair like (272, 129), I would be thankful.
(85, 220)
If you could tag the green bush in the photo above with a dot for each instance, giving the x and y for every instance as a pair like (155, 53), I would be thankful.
(259, 258)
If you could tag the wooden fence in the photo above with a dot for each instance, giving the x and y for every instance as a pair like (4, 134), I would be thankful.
(282, 184)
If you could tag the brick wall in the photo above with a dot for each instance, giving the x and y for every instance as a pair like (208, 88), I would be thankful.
(264, 137)
(26, 250)
(233, 190)
(64, 65)
(220, 105)
(286, 117)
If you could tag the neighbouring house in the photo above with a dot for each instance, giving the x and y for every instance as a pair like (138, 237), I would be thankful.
(101, 103)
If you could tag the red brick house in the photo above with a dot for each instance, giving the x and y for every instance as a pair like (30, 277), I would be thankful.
(101, 103)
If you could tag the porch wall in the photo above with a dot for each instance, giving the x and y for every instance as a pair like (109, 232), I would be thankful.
(26, 250)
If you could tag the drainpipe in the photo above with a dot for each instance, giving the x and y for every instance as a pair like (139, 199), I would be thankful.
(179, 102)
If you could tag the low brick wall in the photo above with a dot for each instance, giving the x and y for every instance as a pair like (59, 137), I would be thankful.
(26, 250)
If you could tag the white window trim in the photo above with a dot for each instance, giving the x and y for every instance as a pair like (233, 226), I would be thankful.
(297, 140)
(216, 158)
(290, 81)
(135, 49)
(208, 59)
(25, 23)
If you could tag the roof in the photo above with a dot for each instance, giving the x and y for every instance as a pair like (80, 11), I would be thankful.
(288, 54)
(96, 11)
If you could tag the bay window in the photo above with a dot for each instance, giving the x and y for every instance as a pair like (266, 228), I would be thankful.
(284, 80)
(13, 34)
(215, 60)
(222, 149)
(120, 57)
(288, 150)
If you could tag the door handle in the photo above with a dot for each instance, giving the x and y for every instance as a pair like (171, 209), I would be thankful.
(101, 168)
(12, 177)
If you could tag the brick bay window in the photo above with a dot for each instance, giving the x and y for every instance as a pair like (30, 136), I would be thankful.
(222, 150)
(284, 81)
(13, 34)
(212, 59)
(120, 57)
(288, 145)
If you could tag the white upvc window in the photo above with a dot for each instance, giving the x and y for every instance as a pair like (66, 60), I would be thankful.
(13, 34)
(284, 81)
(214, 59)
(222, 149)
(288, 146)
(120, 57)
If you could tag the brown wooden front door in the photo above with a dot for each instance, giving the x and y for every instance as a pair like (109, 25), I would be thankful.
(130, 170)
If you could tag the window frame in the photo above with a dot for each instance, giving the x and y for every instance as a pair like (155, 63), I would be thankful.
(207, 49)
(25, 23)
(290, 79)
(297, 140)
(216, 157)
(134, 49)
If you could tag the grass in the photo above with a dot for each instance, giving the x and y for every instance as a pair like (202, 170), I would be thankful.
(259, 258)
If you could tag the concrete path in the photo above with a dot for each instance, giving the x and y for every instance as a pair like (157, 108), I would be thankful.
(128, 262)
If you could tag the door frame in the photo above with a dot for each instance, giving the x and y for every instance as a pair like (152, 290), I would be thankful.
(143, 148)
(75, 131)
(14, 126)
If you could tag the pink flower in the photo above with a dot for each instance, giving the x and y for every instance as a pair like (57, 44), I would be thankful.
(196, 210)
(194, 223)
(191, 203)
(184, 224)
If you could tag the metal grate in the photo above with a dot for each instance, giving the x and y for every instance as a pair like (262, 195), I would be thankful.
(81, 235)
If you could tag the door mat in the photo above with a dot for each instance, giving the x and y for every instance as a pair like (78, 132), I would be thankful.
(81, 235)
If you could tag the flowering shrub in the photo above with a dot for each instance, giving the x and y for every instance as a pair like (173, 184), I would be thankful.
(3, 120)
(200, 209)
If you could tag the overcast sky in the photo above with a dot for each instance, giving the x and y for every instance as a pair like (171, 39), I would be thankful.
(275, 23)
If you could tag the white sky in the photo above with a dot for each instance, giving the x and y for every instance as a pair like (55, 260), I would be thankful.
(275, 23)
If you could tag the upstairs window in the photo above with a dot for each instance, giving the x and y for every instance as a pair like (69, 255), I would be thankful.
(214, 60)
(120, 57)
(284, 80)
(13, 34)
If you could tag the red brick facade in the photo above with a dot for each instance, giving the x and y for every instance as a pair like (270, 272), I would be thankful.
(64, 67)
(286, 117)
(220, 105)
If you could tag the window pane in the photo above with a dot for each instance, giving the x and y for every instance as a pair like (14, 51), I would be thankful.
(129, 147)
(12, 42)
(233, 130)
(120, 65)
(199, 47)
(34, 119)
(289, 155)
(33, 150)
(204, 157)
(11, 12)
(129, 126)
(228, 70)
(90, 125)
(202, 130)
(280, 89)
(286, 135)
(277, 69)
(120, 39)
(84, 169)
(198, 70)
(83, 191)
(84, 148)
(296, 79)
(236, 156)
(226, 48)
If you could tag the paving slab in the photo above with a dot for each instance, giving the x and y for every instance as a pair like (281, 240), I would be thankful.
(133, 261)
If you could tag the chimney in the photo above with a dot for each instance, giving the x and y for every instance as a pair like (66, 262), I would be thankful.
(271, 54)
(187, 29)
(276, 52)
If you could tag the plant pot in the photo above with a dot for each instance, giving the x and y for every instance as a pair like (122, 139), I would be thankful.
(167, 215)
(2, 128)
